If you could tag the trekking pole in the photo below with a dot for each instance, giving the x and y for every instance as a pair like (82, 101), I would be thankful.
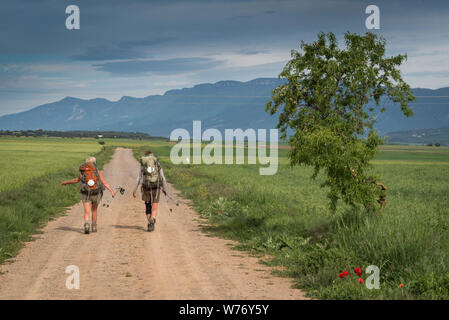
(122, 192)
(169, 197)
(174, 201)
(168, 205)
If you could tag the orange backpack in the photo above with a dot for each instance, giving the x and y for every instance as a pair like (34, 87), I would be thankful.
(90, 179)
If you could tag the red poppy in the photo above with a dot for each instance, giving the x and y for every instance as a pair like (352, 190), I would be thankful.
(401, 285)
(358, 271)
(219, 211)
(343, 274)
(361, 280)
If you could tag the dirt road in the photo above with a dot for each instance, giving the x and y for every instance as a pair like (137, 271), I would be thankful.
(124, 261)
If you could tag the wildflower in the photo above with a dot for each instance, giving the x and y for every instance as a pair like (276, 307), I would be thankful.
(401, 285)
(361, 280)
(358, 271)
(343, 274)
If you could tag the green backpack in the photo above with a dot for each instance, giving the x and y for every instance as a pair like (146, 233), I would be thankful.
(150, 171)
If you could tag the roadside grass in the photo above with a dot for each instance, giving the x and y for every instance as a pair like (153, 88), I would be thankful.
(286, 216)
(40, 198)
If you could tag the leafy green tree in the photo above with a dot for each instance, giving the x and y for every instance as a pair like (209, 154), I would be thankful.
(324, 104)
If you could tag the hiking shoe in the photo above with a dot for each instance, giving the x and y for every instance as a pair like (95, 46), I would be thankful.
(151, 224)
(86, 228)
(94, 227)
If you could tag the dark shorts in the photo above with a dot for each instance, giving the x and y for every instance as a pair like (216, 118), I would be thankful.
(94, 198)
(151, 195)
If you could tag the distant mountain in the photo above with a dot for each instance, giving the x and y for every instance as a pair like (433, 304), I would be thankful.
(431, 110)
(420, 136)
(225, 104)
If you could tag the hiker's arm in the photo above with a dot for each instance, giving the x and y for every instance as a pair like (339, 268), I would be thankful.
(139, 177)
(105, 183)
(76, 180)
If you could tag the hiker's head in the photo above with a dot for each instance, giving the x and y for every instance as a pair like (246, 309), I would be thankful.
(148, 152)
(91, 160)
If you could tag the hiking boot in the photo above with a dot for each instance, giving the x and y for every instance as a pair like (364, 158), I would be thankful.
(94, 227)
(151, 224)
(86, 228)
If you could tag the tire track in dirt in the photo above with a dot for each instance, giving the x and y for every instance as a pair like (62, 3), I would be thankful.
(124, 261)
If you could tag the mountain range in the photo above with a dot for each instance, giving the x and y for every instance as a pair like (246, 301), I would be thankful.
(225, 104)
(420, 136)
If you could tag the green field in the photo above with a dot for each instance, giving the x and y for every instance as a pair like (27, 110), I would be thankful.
(285, 215)
(25, 158)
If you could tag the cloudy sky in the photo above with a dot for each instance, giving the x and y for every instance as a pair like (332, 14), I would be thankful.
(143, 47)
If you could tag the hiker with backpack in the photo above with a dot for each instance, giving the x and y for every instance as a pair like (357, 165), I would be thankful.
(153, 181)
(92, 186)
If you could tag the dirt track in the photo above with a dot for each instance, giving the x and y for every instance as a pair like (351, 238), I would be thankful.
(124, 261)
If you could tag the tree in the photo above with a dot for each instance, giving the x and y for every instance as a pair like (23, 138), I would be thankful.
(324, 102)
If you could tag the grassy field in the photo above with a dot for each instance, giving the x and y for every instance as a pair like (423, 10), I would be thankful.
(286, 215)
(25, 158)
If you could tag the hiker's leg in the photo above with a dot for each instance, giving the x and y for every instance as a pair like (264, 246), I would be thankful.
(94, 212)
(154, 209)
(155, 195)
(148, 210)
(87, 209)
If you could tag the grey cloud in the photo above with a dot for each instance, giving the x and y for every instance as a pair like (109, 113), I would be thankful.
(39, 28)
(133, 30)
(251, 52)
(146, 42)
(107, 53)
(124, 50)
(160, 67)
